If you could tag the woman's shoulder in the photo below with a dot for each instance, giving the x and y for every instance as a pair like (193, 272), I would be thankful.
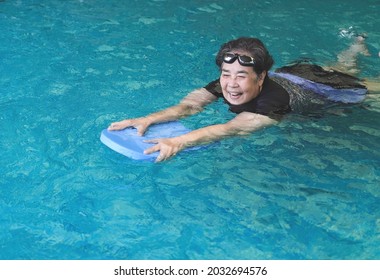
(272, 89)
(214, 88)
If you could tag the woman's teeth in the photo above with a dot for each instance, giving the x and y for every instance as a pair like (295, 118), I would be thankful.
(235, 94)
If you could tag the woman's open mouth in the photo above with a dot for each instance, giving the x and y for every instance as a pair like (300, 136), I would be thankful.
(235, 95)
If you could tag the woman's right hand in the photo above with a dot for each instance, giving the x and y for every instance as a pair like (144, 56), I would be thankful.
(141, 124)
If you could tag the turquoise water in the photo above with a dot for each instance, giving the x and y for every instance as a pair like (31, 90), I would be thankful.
(305, 189)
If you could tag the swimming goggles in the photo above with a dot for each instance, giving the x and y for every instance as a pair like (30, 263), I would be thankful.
(244, 60)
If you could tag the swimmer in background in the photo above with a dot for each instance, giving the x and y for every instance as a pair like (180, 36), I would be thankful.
(244, 84)
(347, 61)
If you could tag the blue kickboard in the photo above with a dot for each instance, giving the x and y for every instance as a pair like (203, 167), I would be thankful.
(128, 143)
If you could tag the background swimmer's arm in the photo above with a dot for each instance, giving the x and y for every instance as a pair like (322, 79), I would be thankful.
(372, 85)
(190, 105)
(242, 124)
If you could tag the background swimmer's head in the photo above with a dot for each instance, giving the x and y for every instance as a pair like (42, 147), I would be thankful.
(249, 46)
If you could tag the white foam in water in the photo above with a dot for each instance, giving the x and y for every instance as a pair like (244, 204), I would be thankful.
(347, 32)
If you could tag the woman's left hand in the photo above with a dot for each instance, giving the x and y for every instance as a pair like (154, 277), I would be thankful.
(167, 147)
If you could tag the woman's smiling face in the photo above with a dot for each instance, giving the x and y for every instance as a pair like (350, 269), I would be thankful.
(240, 84)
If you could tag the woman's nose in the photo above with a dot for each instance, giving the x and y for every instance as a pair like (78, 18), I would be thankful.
(232, 82)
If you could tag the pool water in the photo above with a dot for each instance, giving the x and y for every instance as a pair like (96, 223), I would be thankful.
(305, 189)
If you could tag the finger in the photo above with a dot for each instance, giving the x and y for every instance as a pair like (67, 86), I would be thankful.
(155, 141)
(141, 129)
(159, 158)
(162, 156)
(153, 149)
(113, 126)
(119, 125)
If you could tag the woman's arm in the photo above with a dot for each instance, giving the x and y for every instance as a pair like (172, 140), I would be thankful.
(190, 105)
(242, 124)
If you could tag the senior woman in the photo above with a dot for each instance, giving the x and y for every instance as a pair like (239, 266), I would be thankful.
(259, 98)
(245, 87)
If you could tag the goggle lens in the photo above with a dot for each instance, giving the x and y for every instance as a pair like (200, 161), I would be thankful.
(244, 60)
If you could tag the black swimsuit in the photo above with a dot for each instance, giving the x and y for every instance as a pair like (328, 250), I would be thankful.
(273, 100)
(303, 87)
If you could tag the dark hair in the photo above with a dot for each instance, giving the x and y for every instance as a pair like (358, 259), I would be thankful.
(252, 46)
